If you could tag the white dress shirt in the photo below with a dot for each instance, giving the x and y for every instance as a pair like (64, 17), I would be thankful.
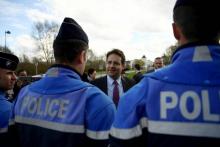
(110, 86)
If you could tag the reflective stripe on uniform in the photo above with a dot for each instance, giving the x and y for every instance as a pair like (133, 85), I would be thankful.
(130, 132)
(51, 125)
(202, 53)
(144, 122)
(98, 135)
(11, 122)
(3, 130)
(187, 129)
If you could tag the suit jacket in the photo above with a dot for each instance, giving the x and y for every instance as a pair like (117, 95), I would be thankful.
(137, 77)
(150, 71)
(101, 83)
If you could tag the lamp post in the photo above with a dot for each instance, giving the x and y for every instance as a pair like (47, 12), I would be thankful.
(6, 32)
(36, 64)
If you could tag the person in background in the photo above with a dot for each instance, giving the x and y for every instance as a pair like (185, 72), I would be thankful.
(8, 64)
(60, 110)
(113, 84)
(158, 63)
(91, 74)
(21, 73)
(84, 77)
(138, 75)
(178, 105)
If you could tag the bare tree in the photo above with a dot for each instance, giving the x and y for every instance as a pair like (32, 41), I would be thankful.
(25, 59)
(168, 54)
(44, 34)
(7, 50)
(91, 55)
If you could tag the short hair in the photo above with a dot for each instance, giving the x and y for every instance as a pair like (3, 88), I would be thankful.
(197, 23)
(68, 50)
(158, 58)
(21, 70)
(91, 71)
(117, 52)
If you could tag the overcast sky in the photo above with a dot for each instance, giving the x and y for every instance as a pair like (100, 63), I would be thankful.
(138, 27)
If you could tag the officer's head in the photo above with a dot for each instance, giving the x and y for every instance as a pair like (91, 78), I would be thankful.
(196, 20)
(8, 64)
(70, 45)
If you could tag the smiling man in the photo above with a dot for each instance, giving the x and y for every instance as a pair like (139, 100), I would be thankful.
(113, 84)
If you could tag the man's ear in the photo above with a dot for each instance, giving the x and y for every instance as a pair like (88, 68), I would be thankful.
(82, 57)
(176, 31)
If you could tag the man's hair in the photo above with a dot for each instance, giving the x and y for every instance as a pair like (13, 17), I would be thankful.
(90, 71)
(117, 52)
(68, 50)
(21, 70)
(198, 23)
(158, 58)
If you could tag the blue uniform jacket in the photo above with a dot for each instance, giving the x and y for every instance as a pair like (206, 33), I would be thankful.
(60, 110)
(5, 110)
(176, 106)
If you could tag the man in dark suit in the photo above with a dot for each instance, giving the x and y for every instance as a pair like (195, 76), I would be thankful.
(138, 74)
(114, 84)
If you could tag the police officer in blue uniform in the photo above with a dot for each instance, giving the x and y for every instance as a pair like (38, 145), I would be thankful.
(8, 64)
(178, 106)
(61, 110)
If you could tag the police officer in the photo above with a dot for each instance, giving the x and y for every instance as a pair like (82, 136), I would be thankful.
(61, 110)
(8, 64)
(178, 106)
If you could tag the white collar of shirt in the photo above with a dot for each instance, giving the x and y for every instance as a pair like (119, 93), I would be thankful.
(110, 86)
(110, 80)
(89, 78)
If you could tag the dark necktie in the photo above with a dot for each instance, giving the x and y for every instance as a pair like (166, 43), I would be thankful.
(115, 93)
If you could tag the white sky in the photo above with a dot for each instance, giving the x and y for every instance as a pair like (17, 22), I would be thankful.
(138, 27)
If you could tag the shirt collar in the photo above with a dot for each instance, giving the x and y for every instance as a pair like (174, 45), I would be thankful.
(67, 67)
(110, 80)
(193, 44)
(89, 78)
(58, 70)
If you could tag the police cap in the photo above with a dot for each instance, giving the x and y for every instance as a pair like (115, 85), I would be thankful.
(8, 61)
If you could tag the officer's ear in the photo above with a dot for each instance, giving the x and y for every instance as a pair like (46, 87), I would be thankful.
(176, 31)
(82, 57)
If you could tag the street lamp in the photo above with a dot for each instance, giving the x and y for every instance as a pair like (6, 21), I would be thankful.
(36, 64)
(6, 32)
